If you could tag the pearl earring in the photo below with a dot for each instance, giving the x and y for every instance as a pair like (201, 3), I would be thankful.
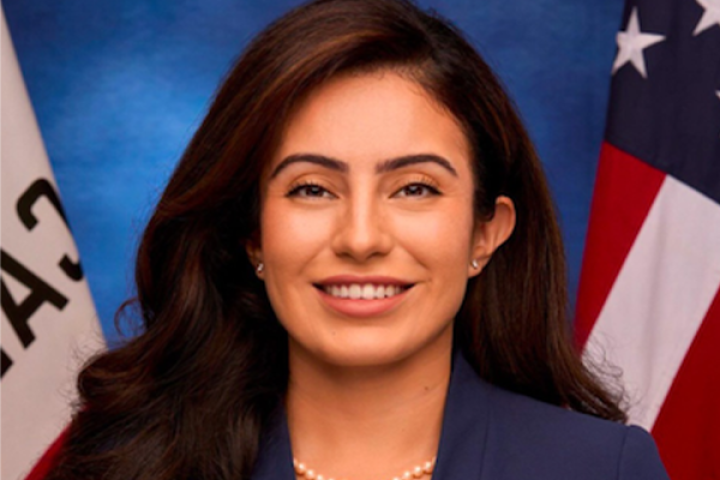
(474, 263)
(260, 267)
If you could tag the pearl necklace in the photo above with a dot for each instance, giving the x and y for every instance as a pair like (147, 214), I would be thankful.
(418, 472)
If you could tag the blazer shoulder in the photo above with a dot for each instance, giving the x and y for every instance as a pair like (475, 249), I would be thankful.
(640, 459)
(559, 443)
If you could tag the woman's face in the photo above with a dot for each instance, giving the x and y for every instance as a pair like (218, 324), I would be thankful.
(367, 228)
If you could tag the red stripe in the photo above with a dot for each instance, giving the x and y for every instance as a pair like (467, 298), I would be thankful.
(687, 429)
(625, 189)
(47, 461)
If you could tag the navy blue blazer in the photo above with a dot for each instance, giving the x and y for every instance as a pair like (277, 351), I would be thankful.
(491, 434)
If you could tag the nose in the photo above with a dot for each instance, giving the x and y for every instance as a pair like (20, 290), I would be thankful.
(362, 229)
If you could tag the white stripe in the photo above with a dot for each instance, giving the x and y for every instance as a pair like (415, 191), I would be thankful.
(660, 297)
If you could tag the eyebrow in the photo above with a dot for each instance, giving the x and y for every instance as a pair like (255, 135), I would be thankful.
(327, 162)
(400, 162)
(383, 167)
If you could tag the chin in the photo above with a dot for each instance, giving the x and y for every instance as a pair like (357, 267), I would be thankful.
(377, 350)
(365, 357)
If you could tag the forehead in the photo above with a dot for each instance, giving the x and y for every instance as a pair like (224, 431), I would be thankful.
(370, 117)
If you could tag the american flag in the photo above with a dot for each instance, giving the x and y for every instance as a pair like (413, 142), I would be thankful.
(649, 299)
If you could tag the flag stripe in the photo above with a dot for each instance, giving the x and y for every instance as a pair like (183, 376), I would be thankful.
(46, 462)
(689, 422)
(638, 327)
(624, 192)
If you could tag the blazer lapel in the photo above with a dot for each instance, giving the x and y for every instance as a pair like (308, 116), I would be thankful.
(465, 425)
(275, 460)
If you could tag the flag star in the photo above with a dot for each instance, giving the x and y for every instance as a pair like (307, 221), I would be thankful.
(632, 42)
(710, 17)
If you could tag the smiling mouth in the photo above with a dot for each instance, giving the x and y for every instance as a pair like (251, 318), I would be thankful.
(367, 291)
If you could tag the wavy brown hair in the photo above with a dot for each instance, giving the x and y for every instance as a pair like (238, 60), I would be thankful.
(188, 397)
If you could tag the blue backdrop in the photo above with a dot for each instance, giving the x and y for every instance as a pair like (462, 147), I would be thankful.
(119, 86)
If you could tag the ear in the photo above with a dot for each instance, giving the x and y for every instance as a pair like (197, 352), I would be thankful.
(489, 235)
(254, 253)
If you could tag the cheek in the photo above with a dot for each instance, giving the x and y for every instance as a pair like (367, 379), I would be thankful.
(290, 236)
(440, 239)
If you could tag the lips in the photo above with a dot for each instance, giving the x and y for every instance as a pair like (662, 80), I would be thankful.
(362, 296)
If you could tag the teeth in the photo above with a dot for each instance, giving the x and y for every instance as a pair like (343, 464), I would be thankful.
(366, 292)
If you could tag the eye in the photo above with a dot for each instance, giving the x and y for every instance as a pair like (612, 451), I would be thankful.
(417, 189)
(309, 190)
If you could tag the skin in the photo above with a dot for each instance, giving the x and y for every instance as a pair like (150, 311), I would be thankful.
(370, 387)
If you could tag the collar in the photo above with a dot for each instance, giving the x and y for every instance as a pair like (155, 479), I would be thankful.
(462, 438)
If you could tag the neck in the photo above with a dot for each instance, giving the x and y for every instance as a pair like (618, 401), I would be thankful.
(367, 422)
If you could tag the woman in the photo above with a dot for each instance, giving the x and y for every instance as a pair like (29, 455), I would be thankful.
(356, 261)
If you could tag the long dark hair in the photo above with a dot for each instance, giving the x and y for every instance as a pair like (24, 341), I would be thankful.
(189, 396)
